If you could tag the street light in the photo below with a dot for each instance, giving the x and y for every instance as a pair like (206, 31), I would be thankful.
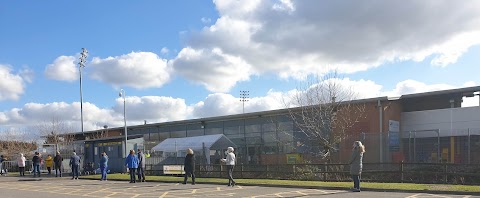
(81, 65)
(122, 94)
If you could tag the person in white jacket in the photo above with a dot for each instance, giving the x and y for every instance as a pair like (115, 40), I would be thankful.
(21, 164)
(230, 162)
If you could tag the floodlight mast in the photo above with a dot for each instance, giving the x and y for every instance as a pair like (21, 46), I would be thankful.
(81, 65)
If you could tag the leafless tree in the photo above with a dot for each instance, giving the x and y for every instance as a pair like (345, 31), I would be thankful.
(324, 111)
(15, 141)
(56, 132)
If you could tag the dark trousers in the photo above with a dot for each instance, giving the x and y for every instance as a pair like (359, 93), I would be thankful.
(22, 171)
(141, 174)
(36, 170)
(132, 174)
(49, 170)
(230, 174)
(103, 169)
(187, 174)
(75, 171)
(356, 181)
(58, 171)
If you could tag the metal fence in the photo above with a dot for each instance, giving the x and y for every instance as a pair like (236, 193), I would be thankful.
(375, 172)
(12, 166)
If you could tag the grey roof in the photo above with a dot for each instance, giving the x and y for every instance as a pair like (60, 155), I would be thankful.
(196, 143)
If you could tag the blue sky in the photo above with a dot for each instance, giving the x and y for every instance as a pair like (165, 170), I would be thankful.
(188, 59)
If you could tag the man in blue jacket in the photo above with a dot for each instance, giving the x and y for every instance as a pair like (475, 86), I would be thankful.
(132, 163)
(75, 164)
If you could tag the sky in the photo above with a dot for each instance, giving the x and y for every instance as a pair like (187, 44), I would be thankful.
(185, 59)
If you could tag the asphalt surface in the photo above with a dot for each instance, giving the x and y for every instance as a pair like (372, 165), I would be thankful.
(16, 187)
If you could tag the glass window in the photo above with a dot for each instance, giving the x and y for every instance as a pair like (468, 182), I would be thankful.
(253, 128)
(270, 137)
(195, 132)
(285, 126)
(270, 127)
(178, 134)
(285, 136)
(211, 131)
(233, 130)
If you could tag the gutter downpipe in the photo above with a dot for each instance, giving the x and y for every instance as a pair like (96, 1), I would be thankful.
(380, 119)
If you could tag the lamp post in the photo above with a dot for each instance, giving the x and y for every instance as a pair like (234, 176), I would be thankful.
(122, 94)
(243, 99)
(81, 65)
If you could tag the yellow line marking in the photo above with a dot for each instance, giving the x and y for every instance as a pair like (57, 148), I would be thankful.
(194, 191)
(218, 188)
(111, 194)
(163, 195)
(300, 192)
(95, 191)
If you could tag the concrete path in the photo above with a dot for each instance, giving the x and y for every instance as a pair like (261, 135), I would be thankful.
(15, 187)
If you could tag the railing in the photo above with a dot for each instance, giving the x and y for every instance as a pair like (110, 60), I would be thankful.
(374, 172)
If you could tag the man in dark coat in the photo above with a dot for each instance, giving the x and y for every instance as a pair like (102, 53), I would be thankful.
(189, 166)
(58, 164)
(36, 160)
(141, 166)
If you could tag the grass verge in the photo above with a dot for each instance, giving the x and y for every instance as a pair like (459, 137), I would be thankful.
(460, 189)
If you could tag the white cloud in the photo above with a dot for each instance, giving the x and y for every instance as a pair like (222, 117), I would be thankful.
(63, 68)
(12, 86)
(412, 86)
(217, 71)
(297, 38)
(206, 20)
(137, 69)
(152, 108)
(164, 50)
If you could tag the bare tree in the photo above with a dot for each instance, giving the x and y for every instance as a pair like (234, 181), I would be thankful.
(15, 141)
(56, 132)
(324, 112)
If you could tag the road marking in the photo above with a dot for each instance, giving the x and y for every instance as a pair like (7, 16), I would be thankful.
(163, 195)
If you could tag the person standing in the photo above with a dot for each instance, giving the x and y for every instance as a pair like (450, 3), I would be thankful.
(189, 166)
(21, 164)
(356, 164)
(104, 166)
(230, 162)
(58, 160)
(49, 164)
(3, 171)
(75, 164)
(36, 160)
(132, 164)
(141, 166)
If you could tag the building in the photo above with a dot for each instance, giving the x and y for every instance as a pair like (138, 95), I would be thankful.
(423, 127)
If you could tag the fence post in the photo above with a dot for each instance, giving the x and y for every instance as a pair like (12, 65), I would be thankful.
(294, 171)
(325, 172)
(445, 173)
(241, 171)
(221, 170)
(401, 171)
(266, 170)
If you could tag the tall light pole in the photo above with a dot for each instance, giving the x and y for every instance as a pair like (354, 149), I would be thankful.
(122, 94)
(81, 65)
(244, 98)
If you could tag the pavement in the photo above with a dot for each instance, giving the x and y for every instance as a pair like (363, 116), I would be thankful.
(19, 187)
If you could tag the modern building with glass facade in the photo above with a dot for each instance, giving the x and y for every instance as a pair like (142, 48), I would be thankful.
(390, 131)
